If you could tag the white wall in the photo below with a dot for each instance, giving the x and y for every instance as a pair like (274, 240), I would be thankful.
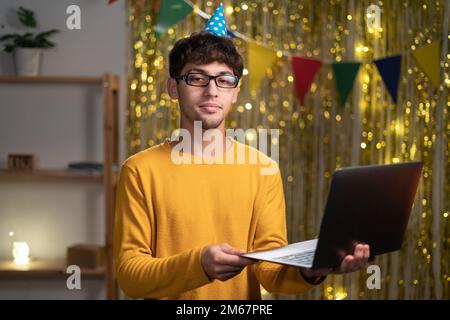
(59, 124)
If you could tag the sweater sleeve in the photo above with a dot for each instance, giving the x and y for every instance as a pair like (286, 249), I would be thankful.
(271, 233)
(139, 273)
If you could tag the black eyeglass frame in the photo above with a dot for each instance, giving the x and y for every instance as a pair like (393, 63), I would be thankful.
(185, 79)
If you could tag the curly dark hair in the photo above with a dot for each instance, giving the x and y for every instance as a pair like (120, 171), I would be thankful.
(203, 48)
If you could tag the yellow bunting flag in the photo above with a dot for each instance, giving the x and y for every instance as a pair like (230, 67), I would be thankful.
(428, 59)
(259, 60)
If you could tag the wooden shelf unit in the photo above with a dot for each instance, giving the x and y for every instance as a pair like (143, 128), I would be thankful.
(109, 85)
(45, 268)
(54, 175)
(51, 79)
(50, 174)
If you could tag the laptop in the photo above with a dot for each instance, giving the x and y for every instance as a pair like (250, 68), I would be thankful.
(368, 204)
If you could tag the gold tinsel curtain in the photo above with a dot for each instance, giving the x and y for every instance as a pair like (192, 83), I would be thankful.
(320, 135)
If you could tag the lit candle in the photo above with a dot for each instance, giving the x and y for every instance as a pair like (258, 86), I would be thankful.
(21, 252)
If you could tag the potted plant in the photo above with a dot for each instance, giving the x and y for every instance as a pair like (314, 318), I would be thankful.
(27, 48)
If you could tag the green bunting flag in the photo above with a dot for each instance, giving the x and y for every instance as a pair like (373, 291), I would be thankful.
(344, 75)
(170, 12)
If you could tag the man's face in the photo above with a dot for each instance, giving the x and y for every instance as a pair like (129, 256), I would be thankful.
(208, 104)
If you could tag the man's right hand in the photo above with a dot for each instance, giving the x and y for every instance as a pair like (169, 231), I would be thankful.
(223, 262)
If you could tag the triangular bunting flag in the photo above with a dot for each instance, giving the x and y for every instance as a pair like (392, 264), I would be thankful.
(304, 71)
(344, 75)
(216, 24)
(428, 59)
(170, 12)
(259, 60)
(389, 69)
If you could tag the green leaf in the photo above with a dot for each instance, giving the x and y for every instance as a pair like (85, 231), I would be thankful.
(8, 36)
(48, 44)
(46, 33)
(25, 41)
(26, 16)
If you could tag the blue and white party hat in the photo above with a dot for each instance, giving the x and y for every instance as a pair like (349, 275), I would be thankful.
(216, 24)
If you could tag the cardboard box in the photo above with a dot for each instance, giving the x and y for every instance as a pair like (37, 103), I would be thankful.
(86, 256)
(22, 162)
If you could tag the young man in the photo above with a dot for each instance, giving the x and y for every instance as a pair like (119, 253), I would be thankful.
(180, 228)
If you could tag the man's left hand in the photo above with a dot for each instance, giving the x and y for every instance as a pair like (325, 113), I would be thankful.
(350, 263)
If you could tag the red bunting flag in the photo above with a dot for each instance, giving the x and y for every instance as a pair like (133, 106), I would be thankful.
(304, 71)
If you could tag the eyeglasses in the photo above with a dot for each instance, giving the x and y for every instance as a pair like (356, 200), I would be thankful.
(202, 80)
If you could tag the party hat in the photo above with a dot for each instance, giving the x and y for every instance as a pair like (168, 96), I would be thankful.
(216, 24)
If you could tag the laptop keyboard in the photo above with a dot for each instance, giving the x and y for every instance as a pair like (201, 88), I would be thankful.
(305, 258)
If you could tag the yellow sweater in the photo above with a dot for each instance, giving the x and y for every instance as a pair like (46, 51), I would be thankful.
(166, 213)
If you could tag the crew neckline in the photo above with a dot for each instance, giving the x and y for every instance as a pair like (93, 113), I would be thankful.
(167, 146)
